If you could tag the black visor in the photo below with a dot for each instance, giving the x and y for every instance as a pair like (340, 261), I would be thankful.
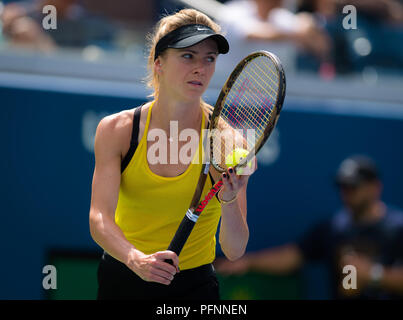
(189, 35)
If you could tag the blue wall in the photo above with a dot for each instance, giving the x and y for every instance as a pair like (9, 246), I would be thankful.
(47, 169)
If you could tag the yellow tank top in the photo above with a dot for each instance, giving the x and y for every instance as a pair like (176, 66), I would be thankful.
(151, 207)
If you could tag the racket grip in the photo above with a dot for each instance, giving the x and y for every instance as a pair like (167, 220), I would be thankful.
(181, 235)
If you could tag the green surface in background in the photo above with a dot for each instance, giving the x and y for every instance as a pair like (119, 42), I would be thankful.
(77, 279)
(258, 286)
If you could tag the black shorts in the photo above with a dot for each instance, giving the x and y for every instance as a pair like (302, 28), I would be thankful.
(117, 281)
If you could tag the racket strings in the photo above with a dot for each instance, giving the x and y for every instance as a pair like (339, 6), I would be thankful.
(244, 118)
(239, 115)
(251, 73)
(247, 110)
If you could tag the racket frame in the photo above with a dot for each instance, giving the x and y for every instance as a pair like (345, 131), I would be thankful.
(197, 204)
(226, 90)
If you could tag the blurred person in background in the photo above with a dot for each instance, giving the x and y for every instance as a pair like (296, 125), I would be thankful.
(76, 26)
(271, 24)
(388, 11)
(366, 233)
(23, 31)
(376, 42)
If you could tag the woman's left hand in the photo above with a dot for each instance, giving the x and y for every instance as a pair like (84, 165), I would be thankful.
(233, 182)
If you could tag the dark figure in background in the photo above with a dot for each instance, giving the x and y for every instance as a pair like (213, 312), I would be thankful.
(366, 233)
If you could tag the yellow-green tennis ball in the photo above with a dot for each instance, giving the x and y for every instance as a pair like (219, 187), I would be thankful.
(235, 157)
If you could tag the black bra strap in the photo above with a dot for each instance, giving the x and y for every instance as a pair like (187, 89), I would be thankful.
(134, 139)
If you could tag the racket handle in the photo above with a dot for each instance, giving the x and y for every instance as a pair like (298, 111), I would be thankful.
(188, 222)
(181, 235)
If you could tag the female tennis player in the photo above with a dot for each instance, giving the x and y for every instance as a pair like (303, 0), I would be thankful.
(137, 203)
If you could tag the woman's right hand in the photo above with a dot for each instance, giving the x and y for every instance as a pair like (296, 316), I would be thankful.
(152, 267)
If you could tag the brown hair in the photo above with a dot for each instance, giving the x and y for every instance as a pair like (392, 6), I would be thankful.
(164, 26)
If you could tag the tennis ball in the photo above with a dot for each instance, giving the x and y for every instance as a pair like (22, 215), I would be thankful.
(236, 156)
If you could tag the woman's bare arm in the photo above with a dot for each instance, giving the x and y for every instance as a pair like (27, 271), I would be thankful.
(105, 194)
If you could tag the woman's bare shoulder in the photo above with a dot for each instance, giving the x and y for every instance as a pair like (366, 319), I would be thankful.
(121, 122)
(116, 124)
(116, 129)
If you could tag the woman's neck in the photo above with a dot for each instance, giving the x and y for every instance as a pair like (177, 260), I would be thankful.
(187, 114)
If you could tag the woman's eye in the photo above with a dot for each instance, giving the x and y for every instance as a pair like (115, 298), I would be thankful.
(187, 56)
(210, 59)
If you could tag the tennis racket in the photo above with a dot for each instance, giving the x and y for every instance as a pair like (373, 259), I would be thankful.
(246, 112)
